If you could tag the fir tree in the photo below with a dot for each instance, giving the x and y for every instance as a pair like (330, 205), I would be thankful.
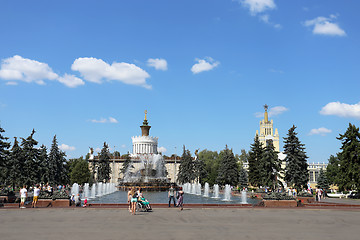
(243, 178)
(186, 168)
(296, 172)
(322, 181)
(332, 170)
(103, 169)
(43, 164)
(255, 173)
(56, 164)
(4, 154)
(199, 169)
(127, 164)
(349, 170)
(271, 166)
(15, 166)
(228, 169)
(30, 156)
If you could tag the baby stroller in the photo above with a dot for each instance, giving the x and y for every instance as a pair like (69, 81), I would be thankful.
(143, 205)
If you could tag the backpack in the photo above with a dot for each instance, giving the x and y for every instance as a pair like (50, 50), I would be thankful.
(135, 195)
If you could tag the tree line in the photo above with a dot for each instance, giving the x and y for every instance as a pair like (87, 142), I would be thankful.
(24, 163)
(264, 165)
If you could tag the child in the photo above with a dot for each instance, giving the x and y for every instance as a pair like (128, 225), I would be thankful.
(85, 202)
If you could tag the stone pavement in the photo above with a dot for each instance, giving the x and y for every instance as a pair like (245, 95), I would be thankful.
(215, 223)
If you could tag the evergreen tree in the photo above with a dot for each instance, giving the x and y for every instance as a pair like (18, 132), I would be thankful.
(296, 172)
(243, 178)
(228, 169)
(199, 169)
(79, 171)
(4, 154)
(255, 172)
(243, 157)
(271, 166)
(322, 181)
(332, 170)
(43, 164)
(15, 166)
(30, 156)
(127, 164)
(186, 168)
(56, 164)
(211, 164)
(103, 169)
(349, 170)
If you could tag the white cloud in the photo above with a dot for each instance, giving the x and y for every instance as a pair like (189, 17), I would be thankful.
(161, 149)
(341, 109)
(157, 63)
(325, 26)
(96, 70)
(258, 6)
(71, 81)
(11, 83)
(65, 147)
(277, 110)
(17, 68)
(274, 111)
(320, 131)
(204, 65)
(123, 146)
(105, 120)
(266, 19)
(27, 70)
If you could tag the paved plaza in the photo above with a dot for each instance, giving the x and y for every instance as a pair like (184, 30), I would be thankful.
(218, 223)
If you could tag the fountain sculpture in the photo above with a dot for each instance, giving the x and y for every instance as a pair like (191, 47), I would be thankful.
(150, 171)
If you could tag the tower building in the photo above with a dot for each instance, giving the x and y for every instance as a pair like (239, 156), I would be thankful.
(267, 131)
(145, 144)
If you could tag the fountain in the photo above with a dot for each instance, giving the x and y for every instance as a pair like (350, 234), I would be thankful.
(216, 191)
(86, 190)
(149, 171)
(75, 189)
(206, 190)
(198, 189)
(93, 191)
(227, 193)
(243, 197)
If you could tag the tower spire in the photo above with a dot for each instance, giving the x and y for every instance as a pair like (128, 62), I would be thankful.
(266, 118)
(145, 128)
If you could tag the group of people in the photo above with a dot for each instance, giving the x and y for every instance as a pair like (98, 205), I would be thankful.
(135, 196)
(179, 196)
(24, 194)
(76, 200)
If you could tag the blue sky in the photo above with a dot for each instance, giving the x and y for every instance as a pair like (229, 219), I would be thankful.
(87, 70)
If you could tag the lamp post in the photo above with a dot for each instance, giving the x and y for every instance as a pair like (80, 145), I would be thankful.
(175, 168)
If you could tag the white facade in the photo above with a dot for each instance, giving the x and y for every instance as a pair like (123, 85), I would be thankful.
(145, 145)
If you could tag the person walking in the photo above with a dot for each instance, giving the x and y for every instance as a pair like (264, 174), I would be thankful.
(171, 195)
(134, 198)
(180, 201)
(129, 199)
(36, 196)
(23, 196)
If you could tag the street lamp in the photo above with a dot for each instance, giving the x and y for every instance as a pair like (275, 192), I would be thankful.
(175, 168)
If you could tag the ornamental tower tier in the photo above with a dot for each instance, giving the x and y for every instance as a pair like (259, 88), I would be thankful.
(145, 144)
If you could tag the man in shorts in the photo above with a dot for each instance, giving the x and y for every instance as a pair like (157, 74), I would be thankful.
(36, 195)
(23, 195)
